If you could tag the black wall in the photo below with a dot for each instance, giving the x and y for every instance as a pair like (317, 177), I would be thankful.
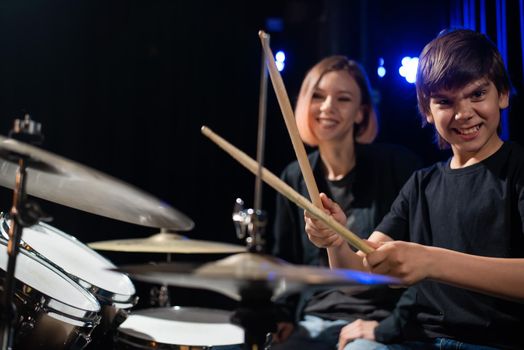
(124, 87)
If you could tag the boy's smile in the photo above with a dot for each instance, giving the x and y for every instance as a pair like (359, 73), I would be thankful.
(468, 118)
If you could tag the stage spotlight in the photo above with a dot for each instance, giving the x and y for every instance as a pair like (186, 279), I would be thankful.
(381, 70)
(280, 58)
(408, 70)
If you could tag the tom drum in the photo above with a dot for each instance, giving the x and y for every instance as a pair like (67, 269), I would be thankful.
(178, 328)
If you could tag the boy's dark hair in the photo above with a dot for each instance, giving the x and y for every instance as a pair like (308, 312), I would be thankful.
(455, 58)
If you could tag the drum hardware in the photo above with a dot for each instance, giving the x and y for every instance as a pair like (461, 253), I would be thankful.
(167, 242)
(68, 183)
(178, 328)
(250, 224)
(255, 280)
(114, 291)
(24, 214)
(29, 170)
(159, 296)
(53, 311)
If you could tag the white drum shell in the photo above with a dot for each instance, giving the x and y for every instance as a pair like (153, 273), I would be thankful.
(90, 269)
(53, 310)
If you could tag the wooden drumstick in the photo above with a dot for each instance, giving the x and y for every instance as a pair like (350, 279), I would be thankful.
(286, 190)
(289, 118)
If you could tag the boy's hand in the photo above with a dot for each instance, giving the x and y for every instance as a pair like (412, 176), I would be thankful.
(410, 262)
(355, 330)
(319, 233)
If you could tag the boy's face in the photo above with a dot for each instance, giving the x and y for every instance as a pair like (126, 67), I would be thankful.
(468, 117)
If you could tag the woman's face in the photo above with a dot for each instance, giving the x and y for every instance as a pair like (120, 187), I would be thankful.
(335, 107)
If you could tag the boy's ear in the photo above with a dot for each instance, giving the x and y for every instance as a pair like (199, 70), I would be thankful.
(429, 118)
(504, 100)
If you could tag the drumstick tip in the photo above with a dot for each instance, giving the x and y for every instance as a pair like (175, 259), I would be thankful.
(204, 129)
(262, 34)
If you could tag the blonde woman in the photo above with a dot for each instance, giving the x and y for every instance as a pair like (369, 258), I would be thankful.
(335, 115)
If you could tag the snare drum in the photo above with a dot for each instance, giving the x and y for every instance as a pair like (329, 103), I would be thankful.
(178, 328)
(54, 312)
(114, 291)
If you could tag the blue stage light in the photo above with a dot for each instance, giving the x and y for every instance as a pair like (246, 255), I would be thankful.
(280, 58)
(381, 70)
(408, 70)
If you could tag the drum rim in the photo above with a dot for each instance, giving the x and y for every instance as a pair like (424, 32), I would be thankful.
(51, 305)
(128, 339)
(105, 296)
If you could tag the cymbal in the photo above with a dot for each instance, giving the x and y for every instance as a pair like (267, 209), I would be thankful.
(65, 182)
(164, 242)
(234, 274)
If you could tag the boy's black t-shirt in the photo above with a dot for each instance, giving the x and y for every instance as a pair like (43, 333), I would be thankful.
(476, 210)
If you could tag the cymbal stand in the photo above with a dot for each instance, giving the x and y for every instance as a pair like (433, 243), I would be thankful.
(23, 213)
(159, 295)
(261, 135)
(253, 221)
(256, 315)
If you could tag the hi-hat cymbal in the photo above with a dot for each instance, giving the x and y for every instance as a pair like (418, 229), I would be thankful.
(164, 242)
(65, 182)
(236, 273)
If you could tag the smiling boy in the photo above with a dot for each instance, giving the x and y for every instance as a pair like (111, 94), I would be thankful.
(455, 232)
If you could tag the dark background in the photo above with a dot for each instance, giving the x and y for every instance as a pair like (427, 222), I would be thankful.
(124, 87)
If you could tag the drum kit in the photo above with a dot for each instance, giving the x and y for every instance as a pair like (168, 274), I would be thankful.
(65, 295)
(68, 296)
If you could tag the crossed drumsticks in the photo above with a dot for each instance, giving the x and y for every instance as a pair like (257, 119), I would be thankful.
(315, 208)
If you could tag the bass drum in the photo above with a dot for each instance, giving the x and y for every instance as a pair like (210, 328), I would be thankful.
(54, 312)
(178, 328)
(114, 291)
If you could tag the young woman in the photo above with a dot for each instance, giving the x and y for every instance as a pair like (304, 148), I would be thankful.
(335, 114)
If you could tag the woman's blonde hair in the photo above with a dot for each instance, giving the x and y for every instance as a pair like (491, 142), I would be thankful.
(365, 131)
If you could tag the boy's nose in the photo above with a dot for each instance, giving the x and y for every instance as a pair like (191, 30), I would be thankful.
(464, 112)
(463, 116)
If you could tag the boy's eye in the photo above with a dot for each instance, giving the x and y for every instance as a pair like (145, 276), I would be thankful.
(442, 102)
(344, 99)
(478, 94)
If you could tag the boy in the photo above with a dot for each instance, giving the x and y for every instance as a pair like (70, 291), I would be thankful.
(455, 232)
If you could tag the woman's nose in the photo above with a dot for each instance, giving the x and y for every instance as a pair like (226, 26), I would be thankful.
(327, 104)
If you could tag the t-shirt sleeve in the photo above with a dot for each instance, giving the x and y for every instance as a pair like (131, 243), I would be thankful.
(396, 223)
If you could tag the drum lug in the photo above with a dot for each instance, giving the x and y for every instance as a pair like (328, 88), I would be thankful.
(80, 341)
(159, 296)
(26, 327)
(120, 317)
